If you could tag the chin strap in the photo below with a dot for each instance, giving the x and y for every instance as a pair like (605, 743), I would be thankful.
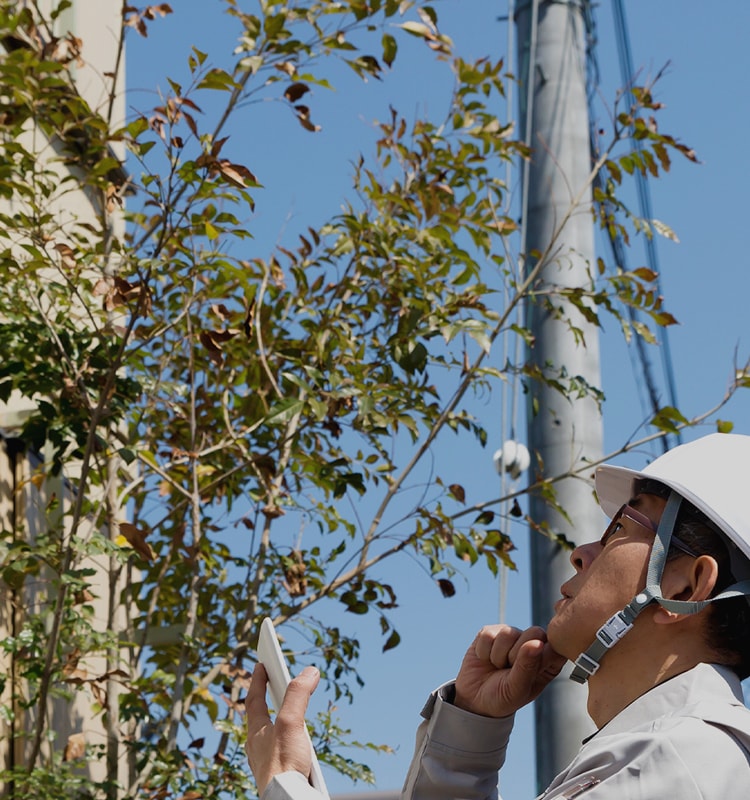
(618, 625)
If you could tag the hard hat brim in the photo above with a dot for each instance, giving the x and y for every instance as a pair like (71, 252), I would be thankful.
(614, 486)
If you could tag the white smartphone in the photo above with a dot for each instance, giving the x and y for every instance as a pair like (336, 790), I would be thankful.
(270, 655)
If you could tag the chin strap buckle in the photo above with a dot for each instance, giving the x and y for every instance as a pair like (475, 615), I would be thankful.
(609, 634)
(585, 667)
(613, 629)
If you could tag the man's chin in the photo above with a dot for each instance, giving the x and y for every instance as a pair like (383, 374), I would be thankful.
(557, 638)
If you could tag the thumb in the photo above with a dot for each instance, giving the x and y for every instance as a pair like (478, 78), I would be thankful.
(525, 670)
(298, 693)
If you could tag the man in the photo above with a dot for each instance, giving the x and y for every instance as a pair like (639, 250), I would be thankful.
(655, 618)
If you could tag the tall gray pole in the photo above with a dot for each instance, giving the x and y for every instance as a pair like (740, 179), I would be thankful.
(564, 432)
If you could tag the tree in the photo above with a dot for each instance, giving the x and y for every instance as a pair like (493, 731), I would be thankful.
(211, 407)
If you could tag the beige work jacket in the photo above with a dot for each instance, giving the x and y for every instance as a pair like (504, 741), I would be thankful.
(686, 739)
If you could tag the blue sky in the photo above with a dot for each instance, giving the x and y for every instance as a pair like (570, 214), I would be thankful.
(705, 277)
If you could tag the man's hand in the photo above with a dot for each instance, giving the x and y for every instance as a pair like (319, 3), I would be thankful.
(283, 746)
(504, 669)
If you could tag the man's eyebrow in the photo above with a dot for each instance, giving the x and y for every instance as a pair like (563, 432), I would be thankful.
(636, 501)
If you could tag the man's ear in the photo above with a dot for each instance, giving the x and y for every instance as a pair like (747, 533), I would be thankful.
(687, 578)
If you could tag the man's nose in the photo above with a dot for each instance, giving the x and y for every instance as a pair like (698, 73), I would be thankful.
(583, 555)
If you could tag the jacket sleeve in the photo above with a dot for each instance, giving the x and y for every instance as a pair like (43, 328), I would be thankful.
(457, 754)
(291, 786)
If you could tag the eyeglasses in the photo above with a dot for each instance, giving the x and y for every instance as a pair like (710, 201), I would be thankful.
(640, 519)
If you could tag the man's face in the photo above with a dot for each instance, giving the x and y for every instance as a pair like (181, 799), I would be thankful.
(606, 579)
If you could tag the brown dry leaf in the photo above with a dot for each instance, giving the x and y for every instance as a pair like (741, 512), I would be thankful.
(306, 248)
(117, 292)
(136, 538)
(224, 336)
(238, 675)
(75, 748)
(84, 596)
(236, 173)
(303, 115)
(64, 50)
(113, 199)
(212, 341)
(295, 91)
(214, 351)
(186, 101)
(100, 695)
(295, 579)
(221, 311)
(71, 662)
(156, 123)
(277, 274)
(506, 225)
(77, 676)
(458, 492)
(247, 325)
(191, 123)
(114, 673)
(238, 706)
(217, 145)
(272, 511)
(288, 67)
(139, 25)
(67, 255)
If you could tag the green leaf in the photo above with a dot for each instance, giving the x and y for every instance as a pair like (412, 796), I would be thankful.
(412, 358)
(390, 48)
(284, 411)
(668, 419)
(218, 79)
(393, 641)
(127, 455)
(197, 58)
(353, 603)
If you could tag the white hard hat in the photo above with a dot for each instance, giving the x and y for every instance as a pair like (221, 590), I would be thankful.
(712, 473)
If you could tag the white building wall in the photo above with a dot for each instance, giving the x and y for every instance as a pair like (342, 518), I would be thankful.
(24, 500)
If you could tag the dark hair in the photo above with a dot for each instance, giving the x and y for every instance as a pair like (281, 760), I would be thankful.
(728, 628)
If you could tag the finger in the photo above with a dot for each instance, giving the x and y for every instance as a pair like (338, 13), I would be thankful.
(532, 634)
(525, 672)
(256, 708)
(552, 662)
(494, 642)
(536, 665)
